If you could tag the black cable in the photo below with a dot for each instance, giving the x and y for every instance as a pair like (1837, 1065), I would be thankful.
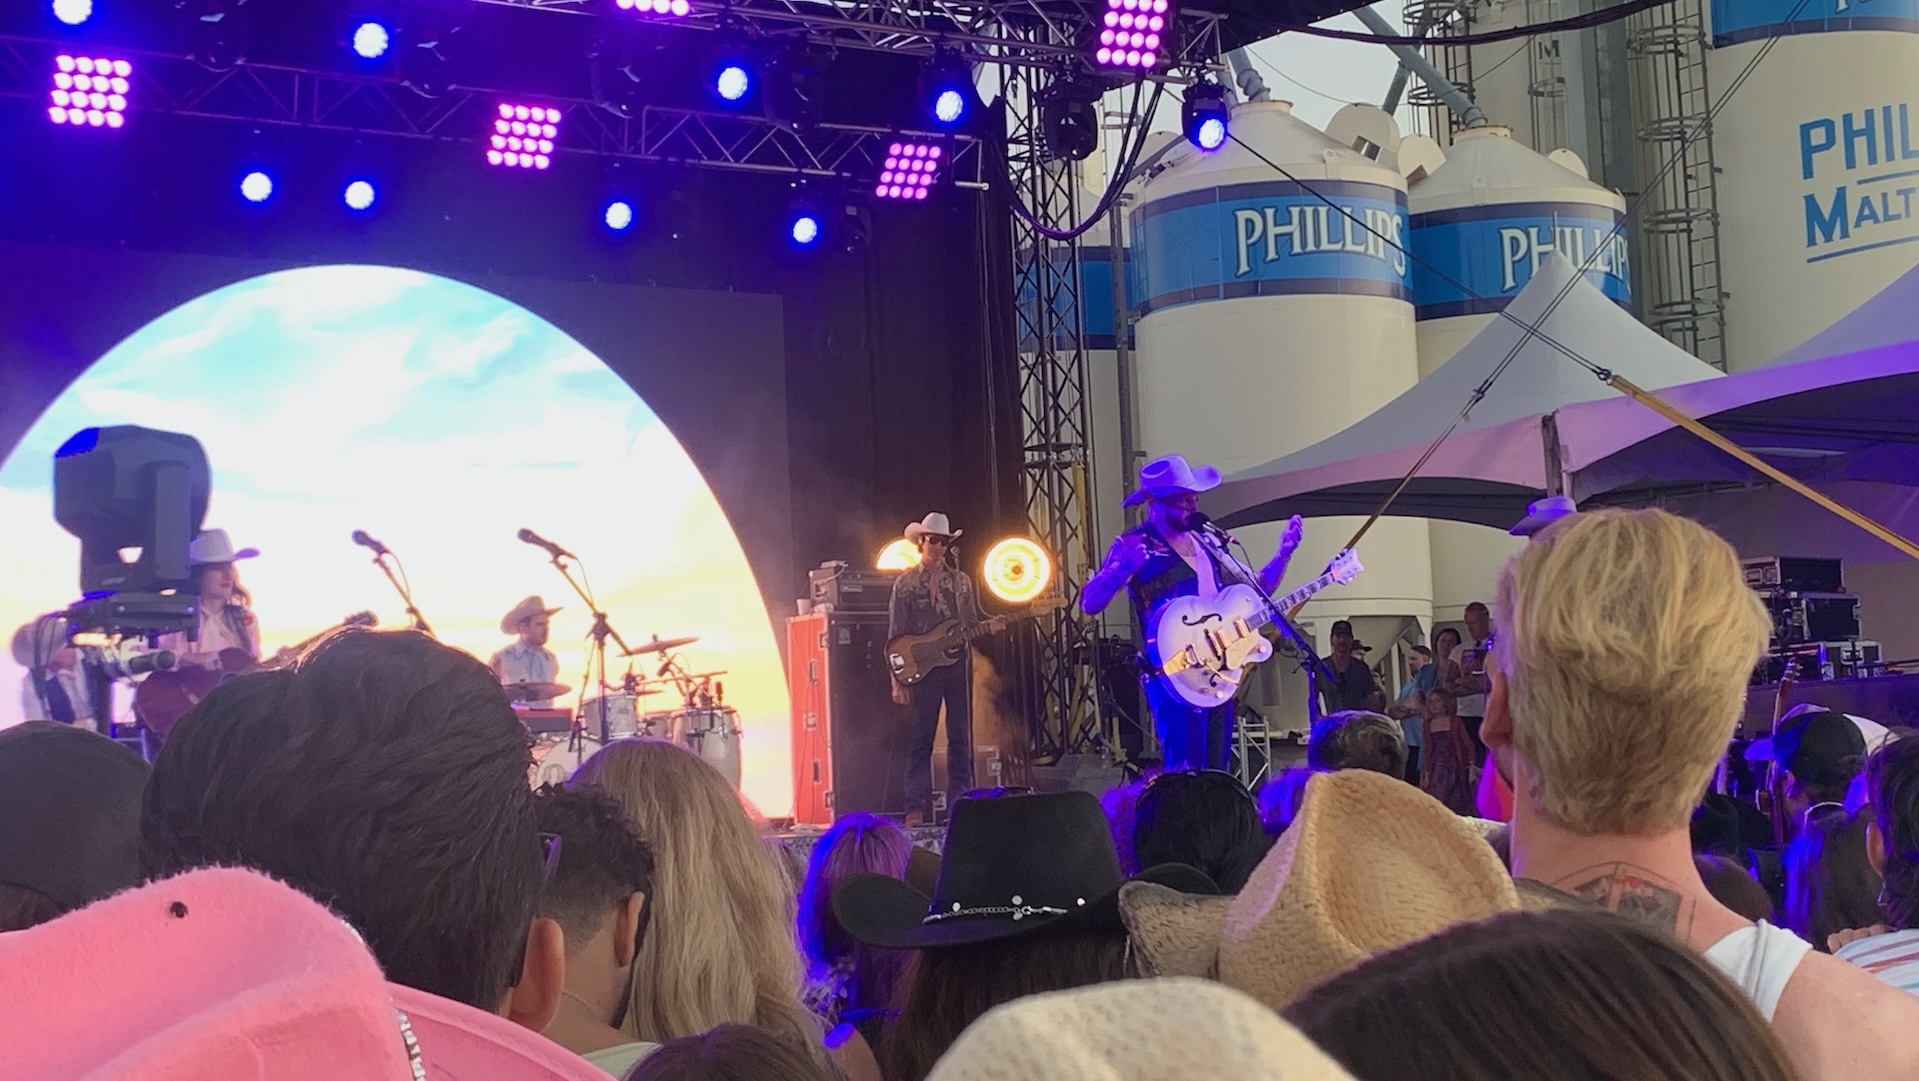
(1003, 176)
(1574, 22)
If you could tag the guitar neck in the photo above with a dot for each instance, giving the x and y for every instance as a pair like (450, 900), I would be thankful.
(1297, 596)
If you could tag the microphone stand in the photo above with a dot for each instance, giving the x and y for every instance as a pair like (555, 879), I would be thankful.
(406, 595)
(600, 632)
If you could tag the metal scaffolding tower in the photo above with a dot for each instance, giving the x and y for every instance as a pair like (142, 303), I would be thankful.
(1678, 270)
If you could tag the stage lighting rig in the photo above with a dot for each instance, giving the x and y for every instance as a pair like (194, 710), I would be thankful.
(733, 69)
(794, 89)
(124, 489)
(1205, 115)
(256, 187)
(523, 136)
(911, 166)
(1069, 117)
(659, 9)
(1132, 35)
(1017, 570)
(89, 91)
(946, 89)
(73, 12)
(216, 31)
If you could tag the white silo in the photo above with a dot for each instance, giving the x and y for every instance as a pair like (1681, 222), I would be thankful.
(1817, 159)
(1481, 223)
(1269, 320)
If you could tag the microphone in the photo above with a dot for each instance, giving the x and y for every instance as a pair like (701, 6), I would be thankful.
(121, 665)
(360, 538)
(1201, 522)
(537, 541)
(665, 667)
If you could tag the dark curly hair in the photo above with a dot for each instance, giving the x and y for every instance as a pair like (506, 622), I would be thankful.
(1892, 784)
(603, 860)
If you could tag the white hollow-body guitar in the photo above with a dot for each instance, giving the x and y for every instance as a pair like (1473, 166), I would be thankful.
(1201, 649)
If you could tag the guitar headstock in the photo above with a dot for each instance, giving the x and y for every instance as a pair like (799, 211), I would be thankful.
(1345, 567)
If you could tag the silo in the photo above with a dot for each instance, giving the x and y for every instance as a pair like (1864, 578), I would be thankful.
(1481, 223)
(1817, 160)
(1270, 320)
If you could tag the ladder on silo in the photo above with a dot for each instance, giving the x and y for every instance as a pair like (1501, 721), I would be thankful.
(1437, 20)
(1545, 79)
(1678, 273)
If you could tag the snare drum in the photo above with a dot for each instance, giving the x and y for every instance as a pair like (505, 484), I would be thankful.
(713, 734)
(622, 716)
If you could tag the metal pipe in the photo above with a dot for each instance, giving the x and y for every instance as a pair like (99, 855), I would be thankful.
(1415, 61)
(1252, 86)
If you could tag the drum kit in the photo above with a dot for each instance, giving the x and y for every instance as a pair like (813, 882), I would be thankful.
(703, 723)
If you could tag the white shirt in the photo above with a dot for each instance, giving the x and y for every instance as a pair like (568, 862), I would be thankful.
(1470, 705)
(70, 682)
(216, 634)
(521, 663)
(1188, 548)
(1760, 959)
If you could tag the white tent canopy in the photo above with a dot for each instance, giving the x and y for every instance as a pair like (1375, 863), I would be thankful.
(1495, 462)
(1889, 316)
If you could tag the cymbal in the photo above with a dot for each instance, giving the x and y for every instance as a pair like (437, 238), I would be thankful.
(533, 692)
(661, 645)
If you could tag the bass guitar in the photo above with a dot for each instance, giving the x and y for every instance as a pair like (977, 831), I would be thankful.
(911, 656)
(1201, 649)
(164, 697)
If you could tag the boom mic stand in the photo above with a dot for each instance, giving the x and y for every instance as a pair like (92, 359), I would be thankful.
(1314, 664)
(406, 594)
(595, 656)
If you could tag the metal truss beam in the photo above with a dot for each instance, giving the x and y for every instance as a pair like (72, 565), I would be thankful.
(1020, 33)
(294, 97)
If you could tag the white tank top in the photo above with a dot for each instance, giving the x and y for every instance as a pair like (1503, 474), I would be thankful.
(1760, 959)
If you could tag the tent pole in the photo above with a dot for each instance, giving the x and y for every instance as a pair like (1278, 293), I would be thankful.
(1549, 441)
(1658, 405)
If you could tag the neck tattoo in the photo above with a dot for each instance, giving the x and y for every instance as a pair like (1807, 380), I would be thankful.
(1634, 892)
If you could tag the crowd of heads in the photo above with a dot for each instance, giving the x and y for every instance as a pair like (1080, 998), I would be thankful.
(354, 833)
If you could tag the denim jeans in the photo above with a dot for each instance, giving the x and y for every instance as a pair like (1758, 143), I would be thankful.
(951, 686)
(1190, 738)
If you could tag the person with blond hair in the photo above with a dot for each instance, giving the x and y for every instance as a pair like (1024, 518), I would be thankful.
(1626, 641)
(719, 946)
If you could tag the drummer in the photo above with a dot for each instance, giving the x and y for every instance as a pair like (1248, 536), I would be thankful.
(527, 660)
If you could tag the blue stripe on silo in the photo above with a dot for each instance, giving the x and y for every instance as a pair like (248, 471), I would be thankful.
(1734, 21)
(1273, 238)
(1095, 300)
(1493, 250)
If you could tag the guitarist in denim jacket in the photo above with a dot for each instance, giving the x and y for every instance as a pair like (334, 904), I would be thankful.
(932, 592)
(1166, 557)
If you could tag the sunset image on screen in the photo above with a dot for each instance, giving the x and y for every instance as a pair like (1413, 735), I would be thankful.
(440, 419)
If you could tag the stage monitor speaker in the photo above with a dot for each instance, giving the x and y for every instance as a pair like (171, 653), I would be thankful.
(849, 736)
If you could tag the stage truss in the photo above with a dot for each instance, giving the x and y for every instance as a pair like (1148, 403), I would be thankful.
(1029, 43)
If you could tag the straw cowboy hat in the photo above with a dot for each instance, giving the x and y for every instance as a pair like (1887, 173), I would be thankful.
(933, 525)
(1370, 863)
(1011, 866)
(532, 606)
(1172, 476)
(214, 546)
(1135, 1030)
(225, 973)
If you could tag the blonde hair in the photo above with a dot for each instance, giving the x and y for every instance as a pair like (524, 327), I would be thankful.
(719, 944)
(1626, 639)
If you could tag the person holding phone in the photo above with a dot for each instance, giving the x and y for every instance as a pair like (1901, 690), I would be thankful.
(1468, 683)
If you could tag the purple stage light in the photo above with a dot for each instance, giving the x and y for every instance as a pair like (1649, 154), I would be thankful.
(89, 91)
(523, 136)
(677, 9)
(909, 170)
(1132, 33)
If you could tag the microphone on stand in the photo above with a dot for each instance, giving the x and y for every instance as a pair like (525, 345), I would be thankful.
(120, 662)
(537, 541)
(360, 538)
(665, 667)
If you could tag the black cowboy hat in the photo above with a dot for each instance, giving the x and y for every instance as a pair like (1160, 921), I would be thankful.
(1016, 865)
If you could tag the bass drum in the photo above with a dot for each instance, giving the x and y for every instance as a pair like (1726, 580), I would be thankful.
(713, 734)
(553, 763)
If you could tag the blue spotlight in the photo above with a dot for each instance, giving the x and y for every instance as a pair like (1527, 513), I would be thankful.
(946, 88)
(256, 187)
(1212, 133)
(733, 81)
(371, 39)
(806, 229)
(359, 195)
(73, 12)
(1205, 116)
(949, 106)
(619, 215)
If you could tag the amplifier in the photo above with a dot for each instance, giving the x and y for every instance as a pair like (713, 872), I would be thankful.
(1813, 661)
(1793, 574)
(1813, 617)
(843, 588)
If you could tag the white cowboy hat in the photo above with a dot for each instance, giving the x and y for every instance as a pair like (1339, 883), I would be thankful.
(934, 524)
(214, 546)
(1541, 513)
(532, 606)
(1170, 476)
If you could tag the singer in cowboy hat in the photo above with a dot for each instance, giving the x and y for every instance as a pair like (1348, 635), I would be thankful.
(226, 608)
(1177, 552)
(931, 592)
(527, 660)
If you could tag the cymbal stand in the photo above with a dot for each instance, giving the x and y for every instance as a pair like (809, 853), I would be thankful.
(406, 594)
(595, 656)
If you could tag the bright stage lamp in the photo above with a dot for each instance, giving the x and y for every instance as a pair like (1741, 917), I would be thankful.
(523, 136)
(732, 81)
(619, 215)
(1017, 570)
(89, 92)
(900, 555)
(1133, 35)
(256, 187)
(359, 196)
(909, 169)
(1205, 116)
(371, 39)
(805, 229)
(73, 12)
